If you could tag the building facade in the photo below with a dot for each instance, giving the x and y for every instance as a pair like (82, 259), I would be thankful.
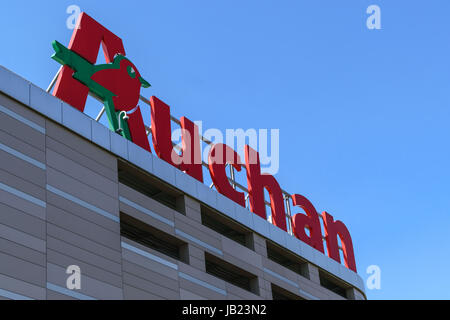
(73, 193)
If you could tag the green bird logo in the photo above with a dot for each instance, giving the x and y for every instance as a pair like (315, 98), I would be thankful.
(117, 84)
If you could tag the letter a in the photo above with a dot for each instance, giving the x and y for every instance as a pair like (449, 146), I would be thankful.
(374, 20)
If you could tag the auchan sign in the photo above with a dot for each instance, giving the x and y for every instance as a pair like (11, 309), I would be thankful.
(118, 82)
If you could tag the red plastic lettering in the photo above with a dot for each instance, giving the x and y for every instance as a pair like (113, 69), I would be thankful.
(190, 160)
(333, 229)
(256, 183)
(219, 156)
(86, 40)
(310, 221)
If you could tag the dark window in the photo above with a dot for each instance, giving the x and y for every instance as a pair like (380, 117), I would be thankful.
(225, 226)
(153, 238)
(287, 259)
(333, 284)
(282, 294)
(230, 273)
(150, 186)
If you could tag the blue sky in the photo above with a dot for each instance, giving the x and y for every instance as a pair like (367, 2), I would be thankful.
(363, 114)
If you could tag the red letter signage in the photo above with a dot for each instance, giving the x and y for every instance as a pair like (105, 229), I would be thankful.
(219, 156)
(256, 184)
(86, 40)
(118, 84)
(333, 229)
(190, 161)
(310, 221)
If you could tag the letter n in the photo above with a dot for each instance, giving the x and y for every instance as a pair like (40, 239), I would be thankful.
(310, 221)
(334, 229)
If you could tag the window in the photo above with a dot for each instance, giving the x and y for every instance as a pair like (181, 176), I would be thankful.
(287, 259)
(279, 293)
(230, 273)
(333, 284)
(225, 226)
(153, 238)
(150, 186)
